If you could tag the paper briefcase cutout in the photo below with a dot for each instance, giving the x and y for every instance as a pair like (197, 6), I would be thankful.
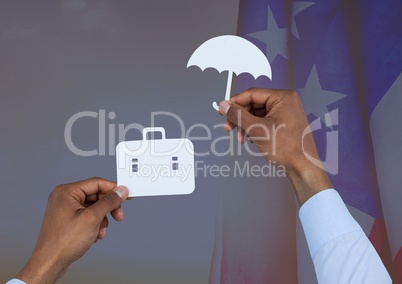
(150, 167)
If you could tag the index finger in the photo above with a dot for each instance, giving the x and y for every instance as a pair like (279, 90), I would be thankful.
(94, 186)
(256, 98)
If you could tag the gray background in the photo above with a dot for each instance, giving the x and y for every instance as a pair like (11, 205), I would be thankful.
(58, 58)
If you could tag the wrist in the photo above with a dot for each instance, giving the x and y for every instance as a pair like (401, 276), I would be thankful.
(308, 180)
(40, 269)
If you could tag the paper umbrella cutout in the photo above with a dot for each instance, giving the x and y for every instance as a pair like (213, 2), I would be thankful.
(233, 54)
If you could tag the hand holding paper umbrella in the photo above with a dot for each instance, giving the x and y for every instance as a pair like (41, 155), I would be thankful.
(233, 54)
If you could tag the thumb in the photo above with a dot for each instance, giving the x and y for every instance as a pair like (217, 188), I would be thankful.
(109, 202)
(238, 115)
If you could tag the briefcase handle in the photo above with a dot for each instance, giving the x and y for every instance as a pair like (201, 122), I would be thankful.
(147, 130)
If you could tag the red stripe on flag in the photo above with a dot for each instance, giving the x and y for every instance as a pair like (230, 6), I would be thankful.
(378, 237)
(398, 267)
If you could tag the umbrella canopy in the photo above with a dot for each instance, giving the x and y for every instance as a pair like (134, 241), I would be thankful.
(233, 54)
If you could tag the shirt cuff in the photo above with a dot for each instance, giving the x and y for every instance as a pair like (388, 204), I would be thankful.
(325, 217)
(15, 281)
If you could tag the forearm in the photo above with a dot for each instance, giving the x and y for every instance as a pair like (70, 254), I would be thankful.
(340, 250)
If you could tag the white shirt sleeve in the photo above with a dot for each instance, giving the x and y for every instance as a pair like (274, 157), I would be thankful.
(15, 281)
(340, 250)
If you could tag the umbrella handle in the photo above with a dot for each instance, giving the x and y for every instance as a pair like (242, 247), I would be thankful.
(229, 85)
(228, 88)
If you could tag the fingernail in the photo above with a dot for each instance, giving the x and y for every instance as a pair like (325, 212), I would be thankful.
(239, 137)
(103, 231)
(224, 107)
(121, 191)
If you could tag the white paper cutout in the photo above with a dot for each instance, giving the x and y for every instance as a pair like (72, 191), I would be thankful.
(156, 166)
(233, 54)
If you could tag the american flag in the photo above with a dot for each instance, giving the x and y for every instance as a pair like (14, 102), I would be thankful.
(345, 60)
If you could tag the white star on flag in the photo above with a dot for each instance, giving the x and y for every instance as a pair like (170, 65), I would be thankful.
(274, 37)
(315, 99)
(298, 7)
